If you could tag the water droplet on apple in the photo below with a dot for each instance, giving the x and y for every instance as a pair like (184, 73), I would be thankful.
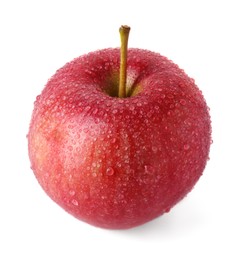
(167, 210)
(97, 120)
(98, 165)
(154, 149)
(93, 164)
(109, 171)
(86, 130)
(70, 148)
(186, 147)
(95, 111)
(87, 108)
(72, 192)
(149, 169)
(74, 202)
(183, 102)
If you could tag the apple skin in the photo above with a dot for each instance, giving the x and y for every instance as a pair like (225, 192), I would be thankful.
(119, 162)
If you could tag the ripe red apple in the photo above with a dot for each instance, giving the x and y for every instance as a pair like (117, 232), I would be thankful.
(118, 162)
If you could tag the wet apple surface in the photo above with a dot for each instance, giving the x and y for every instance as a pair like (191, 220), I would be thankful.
(119, 162)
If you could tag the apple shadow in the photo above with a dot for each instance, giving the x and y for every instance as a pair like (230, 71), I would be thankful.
(183, 219)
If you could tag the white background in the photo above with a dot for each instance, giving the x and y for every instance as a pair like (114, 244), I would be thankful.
(37, 38)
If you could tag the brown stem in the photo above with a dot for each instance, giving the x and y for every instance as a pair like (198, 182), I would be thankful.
(124, 36)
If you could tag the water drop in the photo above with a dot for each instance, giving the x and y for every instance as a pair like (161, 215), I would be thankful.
(119, 164)
(75, 202)
(70, 148)
(149, 169)
(86, 130)
(109, 171)
(154, 149)
(95, 111)
(97, 120)
(186, 147)
(93, 164)
(183, 102)
(87, 108)
(167, 210)
(72, 192)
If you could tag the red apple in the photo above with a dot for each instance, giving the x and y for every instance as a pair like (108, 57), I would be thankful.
(118, 162)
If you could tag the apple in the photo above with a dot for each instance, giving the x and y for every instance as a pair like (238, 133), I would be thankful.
(119, 136)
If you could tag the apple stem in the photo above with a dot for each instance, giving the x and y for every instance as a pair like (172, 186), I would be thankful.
(124, 36)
